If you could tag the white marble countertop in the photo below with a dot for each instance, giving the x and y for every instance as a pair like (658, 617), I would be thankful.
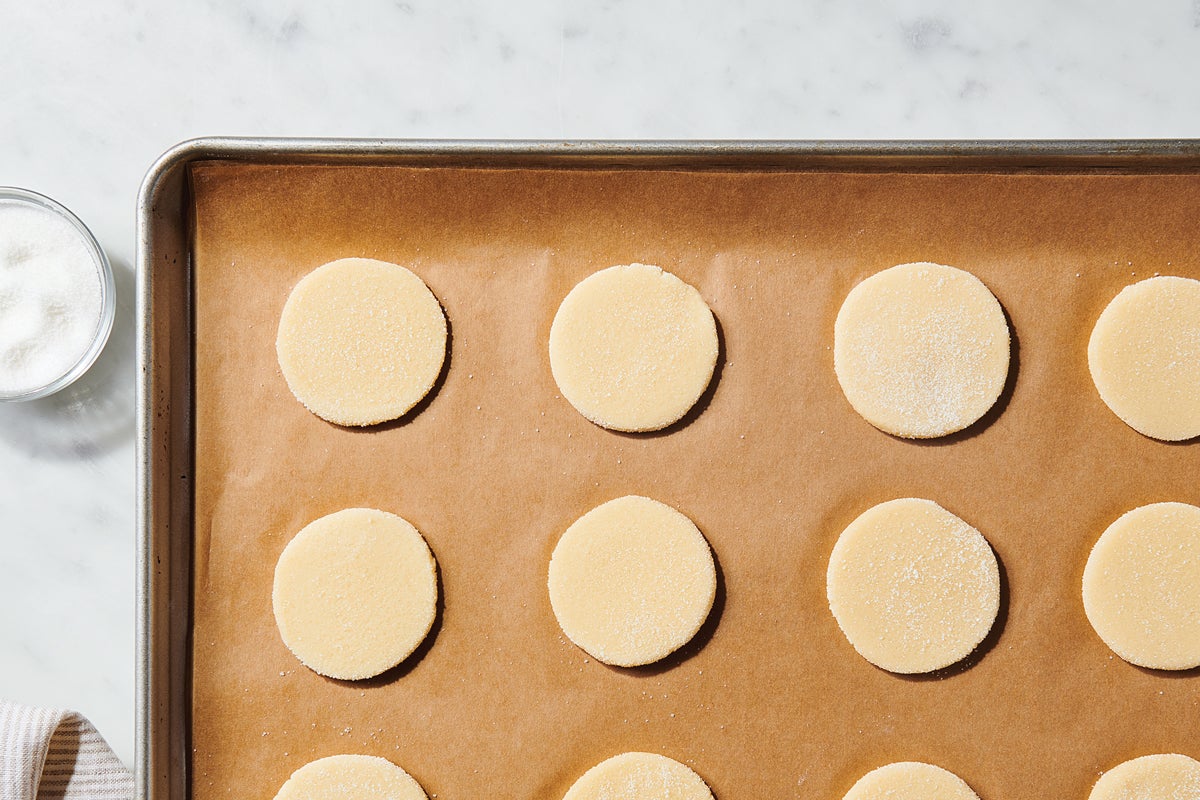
(92, 92)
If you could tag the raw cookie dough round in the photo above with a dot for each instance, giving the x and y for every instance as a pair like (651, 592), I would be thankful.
(1158, 777)
(361, 341)
(921, 350)
(639, 776)
(350, 777)
(1144, 356)
(913, 587)
(632, 348)
(631, 581)
(1141, 586)
(910, 780)
(355, 592)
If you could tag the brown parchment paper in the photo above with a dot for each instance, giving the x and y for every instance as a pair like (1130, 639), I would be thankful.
(771, 701)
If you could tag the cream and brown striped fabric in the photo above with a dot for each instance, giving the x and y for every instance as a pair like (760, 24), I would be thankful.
(47, 754)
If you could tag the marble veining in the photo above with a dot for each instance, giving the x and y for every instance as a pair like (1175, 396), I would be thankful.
(91, 93)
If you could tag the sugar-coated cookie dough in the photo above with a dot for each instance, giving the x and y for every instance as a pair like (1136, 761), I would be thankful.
(350, 777)
(921, 350)
(361, 341)
(631, 581)
(913, 587)
(355, 592)
(633, 348)
(1158, 777)
(1144, 355)
(639, 776)
(910, 780)
(1141, 586)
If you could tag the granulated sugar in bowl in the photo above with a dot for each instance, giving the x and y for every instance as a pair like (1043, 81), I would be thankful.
(56, 296)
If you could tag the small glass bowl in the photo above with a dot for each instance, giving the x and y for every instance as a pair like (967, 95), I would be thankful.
(108, 294)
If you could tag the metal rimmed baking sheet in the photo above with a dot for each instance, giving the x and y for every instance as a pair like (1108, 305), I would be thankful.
(775, 702)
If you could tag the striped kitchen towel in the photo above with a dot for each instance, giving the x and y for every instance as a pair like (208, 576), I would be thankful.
(48, 754)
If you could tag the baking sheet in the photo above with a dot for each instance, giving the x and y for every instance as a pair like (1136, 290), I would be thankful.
(771, 701)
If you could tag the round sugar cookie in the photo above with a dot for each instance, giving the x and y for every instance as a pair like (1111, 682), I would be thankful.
(355, 593)
(639, 776)
(1141, 586)
(361, 341)
(913, 587)
(1144, 356)
(1157, 777)
(633, 348)
(631, 581)
(350, 777)
(921, 350)
(910, 780)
